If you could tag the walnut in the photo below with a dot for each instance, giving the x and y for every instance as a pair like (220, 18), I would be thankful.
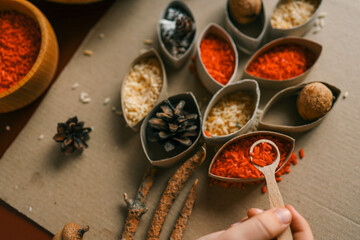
(244, 11)
(314, 101)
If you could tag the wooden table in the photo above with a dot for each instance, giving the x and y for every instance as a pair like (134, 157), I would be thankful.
(71, 24)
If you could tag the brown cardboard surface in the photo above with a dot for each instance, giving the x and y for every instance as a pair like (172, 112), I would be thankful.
(51, 189)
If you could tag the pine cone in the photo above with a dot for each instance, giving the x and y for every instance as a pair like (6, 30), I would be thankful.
(173, 125)
(72, 135)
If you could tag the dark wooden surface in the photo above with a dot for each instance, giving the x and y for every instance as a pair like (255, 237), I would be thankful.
(71, 24)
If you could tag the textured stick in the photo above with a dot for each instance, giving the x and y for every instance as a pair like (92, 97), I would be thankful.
(185, 213)
(137, 206)
(172, 190)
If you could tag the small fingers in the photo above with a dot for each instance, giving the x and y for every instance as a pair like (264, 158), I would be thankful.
(299, 226)
(254, 211)
(262, 226)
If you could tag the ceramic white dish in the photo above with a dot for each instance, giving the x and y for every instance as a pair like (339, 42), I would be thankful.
(312, 46)
(209, 82)
(162, 94)
(238, 138)
(248, 38)
(155, 151)
(176, 62)
(280, 113)
(248, 85)
(299, 30)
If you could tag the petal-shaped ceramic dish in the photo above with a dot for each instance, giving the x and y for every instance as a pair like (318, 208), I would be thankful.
(313, 47)
(150, 53)
(37, 80)
(173, 61)
(247, 135)
(249, 37)
(155, 151)
(244, 85)
(298, 30)
(209, 82)
(280, 113)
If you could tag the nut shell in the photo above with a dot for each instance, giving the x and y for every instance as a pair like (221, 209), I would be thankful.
(314, 101)
(72, 231)
(244, 11)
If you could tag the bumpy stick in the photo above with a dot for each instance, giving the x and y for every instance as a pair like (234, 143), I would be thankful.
(136, 206)
(185, 213)
(172, 190)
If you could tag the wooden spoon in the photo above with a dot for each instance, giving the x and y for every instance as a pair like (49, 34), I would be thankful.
(275, 197)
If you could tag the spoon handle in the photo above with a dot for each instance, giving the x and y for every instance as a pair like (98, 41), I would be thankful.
(275, 198)
(273, 189)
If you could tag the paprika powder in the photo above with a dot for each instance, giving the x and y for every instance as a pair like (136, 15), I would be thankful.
(218, 58)
(20, 41)
(282, 62)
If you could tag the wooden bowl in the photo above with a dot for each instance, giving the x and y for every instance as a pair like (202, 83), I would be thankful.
(281, 111)
(154, 151)
(248, 85)
(313, 47)
(176, 62)
(248, 37)
(262, 133)
(206, 79)
(150, 53)
(37, 80)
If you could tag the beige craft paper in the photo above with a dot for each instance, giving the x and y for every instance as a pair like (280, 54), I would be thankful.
(88, 189)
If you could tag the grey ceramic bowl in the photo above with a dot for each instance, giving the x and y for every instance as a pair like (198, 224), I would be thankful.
(243, 85)
(298, 30)
(162, 95)
(280, 113)
(176, 62)
(155, 151)
(248, 38)
(266, 133)
(209, 82)
(313, 47)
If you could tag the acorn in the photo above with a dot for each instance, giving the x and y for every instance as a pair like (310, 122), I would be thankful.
(314, 101)
(244, 11)
(71, 231)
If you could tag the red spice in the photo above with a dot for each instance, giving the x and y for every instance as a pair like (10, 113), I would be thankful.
(301, 153)
(263, 189)
(20, 40)
(263, 154)
(282, 62)
(234, 161)
(218, 58)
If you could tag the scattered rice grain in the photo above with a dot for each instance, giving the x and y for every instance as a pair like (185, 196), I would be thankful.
(7, 128)
(106, 101)
(346, 94)
(88, 53)
(41, 137)
(148, 41)
(75, 86)
(84, 97)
